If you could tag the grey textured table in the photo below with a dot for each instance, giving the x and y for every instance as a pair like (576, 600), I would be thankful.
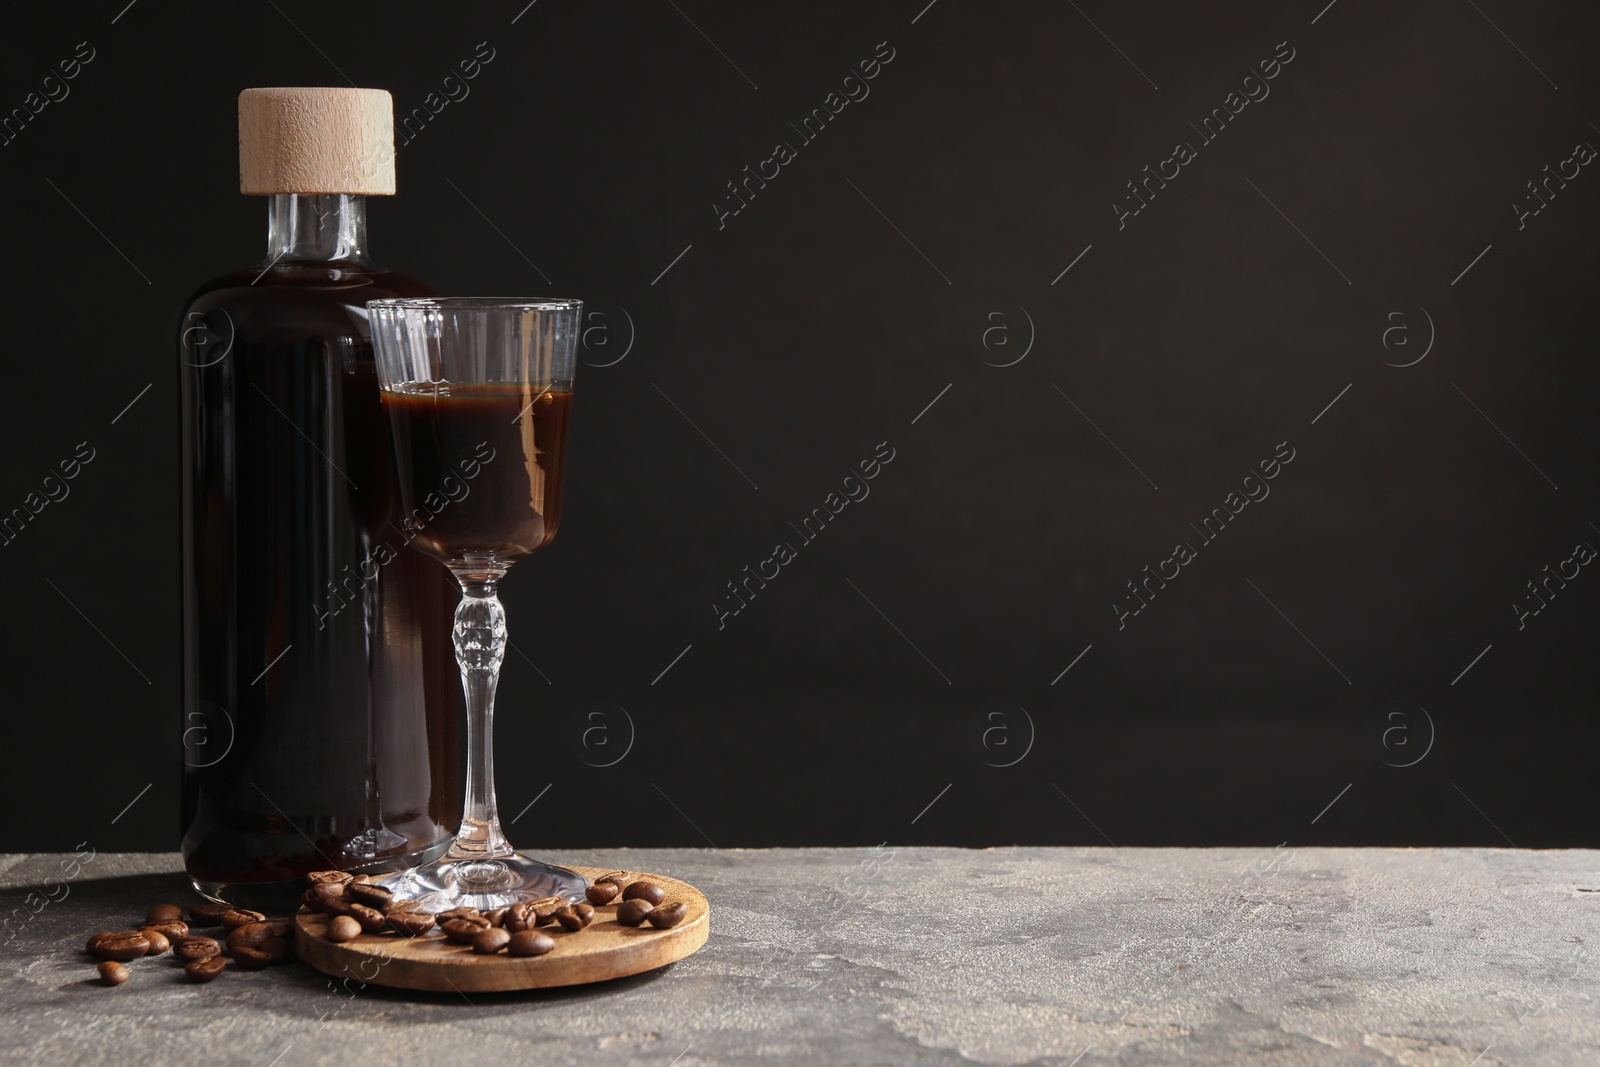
(1425, 958)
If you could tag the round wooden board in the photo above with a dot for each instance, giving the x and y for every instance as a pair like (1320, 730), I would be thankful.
(604, 949)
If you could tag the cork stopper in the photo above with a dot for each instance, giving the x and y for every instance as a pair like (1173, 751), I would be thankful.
(303, 140)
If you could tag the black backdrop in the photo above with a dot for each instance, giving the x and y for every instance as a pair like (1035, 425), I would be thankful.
(941, 271)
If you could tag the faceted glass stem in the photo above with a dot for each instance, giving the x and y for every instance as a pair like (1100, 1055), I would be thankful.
(480, 640)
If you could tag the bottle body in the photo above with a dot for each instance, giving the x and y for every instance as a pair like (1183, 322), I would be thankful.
(320, 706)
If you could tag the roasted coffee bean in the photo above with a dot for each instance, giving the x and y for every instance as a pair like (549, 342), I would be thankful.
(190, 949)
(208, 914)
(173, 930)
(316, 878)
(373, 896)
(158, 942)
(490, 941)
(459, 913)
(342, 928)
(277, 949)
(667, 915)
(602, 892)
(123, 945)
(112, 972)
(575, 917)
(462, 930)
(252, 934)
(621, 878)
(633, 912)
(545, 908)
(360, 879)
(94, 939)
(163, 913)
(251, 959)
(237, 917)
(497, 917)
(408, 923)
(519, 917)
(371, 919)
(530, 943)
(644, 891)
(205, 970)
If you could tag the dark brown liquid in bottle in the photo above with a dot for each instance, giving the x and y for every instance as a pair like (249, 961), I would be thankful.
(320, 689)
(485, 464)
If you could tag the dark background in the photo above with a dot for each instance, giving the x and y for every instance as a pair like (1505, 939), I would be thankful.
(849, 703)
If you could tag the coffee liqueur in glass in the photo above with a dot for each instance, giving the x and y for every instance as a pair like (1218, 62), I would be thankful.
(321, 697)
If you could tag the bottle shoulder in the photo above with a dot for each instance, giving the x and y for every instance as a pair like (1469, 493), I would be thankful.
(307, 284)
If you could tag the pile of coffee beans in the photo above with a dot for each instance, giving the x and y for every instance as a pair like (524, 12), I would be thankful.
(253, 941)
(355, 906)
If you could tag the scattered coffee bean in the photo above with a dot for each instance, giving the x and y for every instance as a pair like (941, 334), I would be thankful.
(620, 878)
(458, 913)
(94, 939)
(163, 913)
(316, 878)
(112, 972)
(530, 943)
(173, 930)
(190, 949)
(462, 930)
(668, 915)
(575, 917)
(205, 970)
(545, 908)
(123, 945)
(633, 912)
(278, 949)
(644, 891)
(252, 934)
(371, 919)
(373, 896)
(251, 959)
(490, 941)
(497, 917)
(360, 879)
(519, 917)
(208, 914)
(602, 892)
(237, 917)
(342, 928)
(408, 923)
(158, 941)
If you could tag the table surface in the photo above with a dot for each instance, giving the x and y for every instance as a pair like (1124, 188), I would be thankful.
(1045, 956)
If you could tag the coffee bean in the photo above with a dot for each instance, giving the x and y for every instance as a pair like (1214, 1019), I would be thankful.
(458, 913)
(208, 914)
(490, 941)
(545, 908)
(252, 934)
(373, 896)
(190, 949)
(163, 913)
(408, 923)
(644, 891)
(632, 912)
(519, 917)
(342, 928)
(360, 879)
(497, 917)
(530, 943)
(371, 919)
(158, 942)
(621, 878)
(602, 892)
(278, 949)
(112, 972)
(575, 917)
(238, 917)
(94, 939)
(123, 945)
(205, 970)
(668, 915)
(462, 930)
(250, 959)
(172, 930)
(316, 878)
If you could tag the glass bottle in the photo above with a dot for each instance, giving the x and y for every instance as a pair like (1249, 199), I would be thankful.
(320, 710)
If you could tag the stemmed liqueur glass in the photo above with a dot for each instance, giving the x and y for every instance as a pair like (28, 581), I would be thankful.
(477, 391)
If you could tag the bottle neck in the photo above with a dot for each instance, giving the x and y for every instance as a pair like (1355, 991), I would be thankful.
(317, 227)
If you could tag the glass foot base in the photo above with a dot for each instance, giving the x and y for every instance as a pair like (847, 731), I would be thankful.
(484, 884)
